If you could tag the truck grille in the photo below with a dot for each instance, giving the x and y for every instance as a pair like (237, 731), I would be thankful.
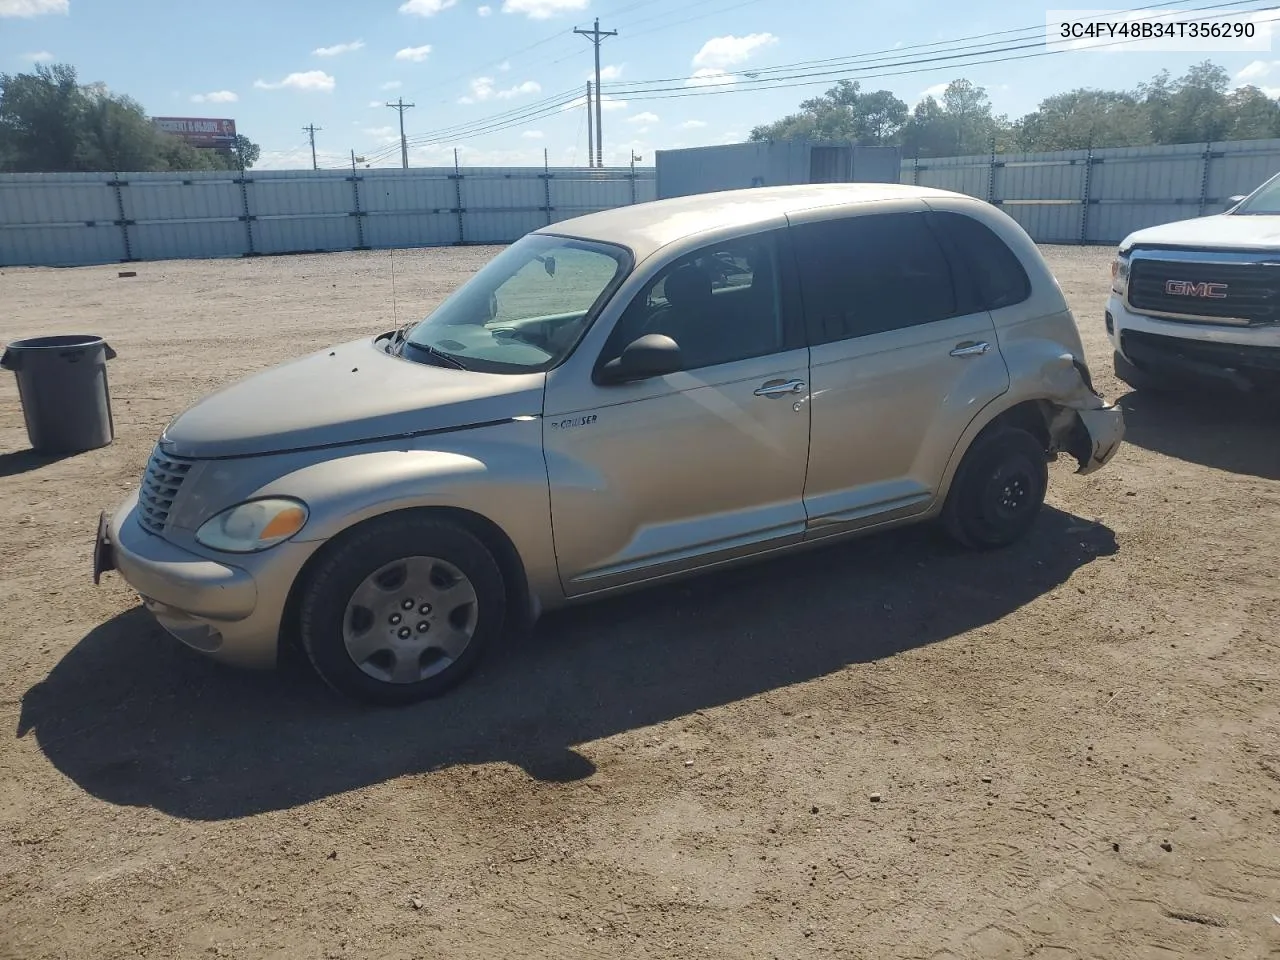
(1250, 292)
(160, 486)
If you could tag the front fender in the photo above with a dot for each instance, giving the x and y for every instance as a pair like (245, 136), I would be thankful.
(502, 479)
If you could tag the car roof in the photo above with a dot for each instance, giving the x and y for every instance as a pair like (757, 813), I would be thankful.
(647, 227)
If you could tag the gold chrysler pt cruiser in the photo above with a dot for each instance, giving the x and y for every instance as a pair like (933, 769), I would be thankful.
(614, 401)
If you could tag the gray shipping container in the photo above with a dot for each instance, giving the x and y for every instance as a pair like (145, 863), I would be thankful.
(739, 166)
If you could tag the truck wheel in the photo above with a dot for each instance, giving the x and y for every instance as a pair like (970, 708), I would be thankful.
(402, 609)
(998, 490)
(1137, 378)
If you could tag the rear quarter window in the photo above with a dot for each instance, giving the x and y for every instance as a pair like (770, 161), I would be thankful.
(996, 273)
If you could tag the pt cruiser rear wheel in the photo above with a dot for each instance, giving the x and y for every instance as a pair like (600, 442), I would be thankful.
(998, 490)
(401, 609)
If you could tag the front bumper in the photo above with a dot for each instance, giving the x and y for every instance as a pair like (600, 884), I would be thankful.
(1245, 357)
(232, 613)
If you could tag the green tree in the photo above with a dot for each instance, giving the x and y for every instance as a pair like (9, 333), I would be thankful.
(1254, 115)
(842, 113)
(1082, 118)
(49, 122)
(244, 151)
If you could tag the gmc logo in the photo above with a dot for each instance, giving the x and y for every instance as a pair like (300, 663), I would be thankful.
(1184, 288)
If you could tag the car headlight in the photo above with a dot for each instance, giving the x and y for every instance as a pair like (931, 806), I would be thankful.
(1120, 274)
(253, 526)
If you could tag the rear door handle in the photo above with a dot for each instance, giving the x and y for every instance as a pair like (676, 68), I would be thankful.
(780, 388)
(971, 349)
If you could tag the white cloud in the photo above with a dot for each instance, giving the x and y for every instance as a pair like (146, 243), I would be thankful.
(338, 48)
(414, 54)
(40, 56)
(310, 81)
(485, 11)
(391, 85)
(379, 131)
(482, 89)
(645, 117)
(532, 134)
(731, 137)
(710, 77)
(730, 50)
(217, 96)
(1255, 70)
(504, 66)
(937, 90)
(425, 8)
(543, 9)
(33, 8)
(520, 90)
(693, 125)
(377, 103)
(610, 72)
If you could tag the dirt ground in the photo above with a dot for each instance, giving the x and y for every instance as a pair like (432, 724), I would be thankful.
(1075, 742)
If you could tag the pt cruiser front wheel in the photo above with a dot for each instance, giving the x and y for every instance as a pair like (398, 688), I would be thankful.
(401, 609)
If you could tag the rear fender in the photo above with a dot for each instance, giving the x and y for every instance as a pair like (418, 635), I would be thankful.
(1051, 389)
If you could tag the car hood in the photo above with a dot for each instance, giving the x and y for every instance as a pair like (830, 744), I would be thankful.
(352, 392)
(1219, 232)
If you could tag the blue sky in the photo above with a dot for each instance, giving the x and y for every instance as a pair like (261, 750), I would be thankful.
(277, 65)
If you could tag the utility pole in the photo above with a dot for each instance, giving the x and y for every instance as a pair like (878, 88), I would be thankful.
(311, 130)
(401, 107)
(597, 36)
(591, 147)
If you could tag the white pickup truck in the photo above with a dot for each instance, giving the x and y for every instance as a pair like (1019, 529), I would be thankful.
(1199, 300)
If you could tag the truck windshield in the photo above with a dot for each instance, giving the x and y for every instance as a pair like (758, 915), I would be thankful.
(525, 310)
(1265, 200)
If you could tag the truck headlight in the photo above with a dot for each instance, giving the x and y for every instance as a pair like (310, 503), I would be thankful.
(1120, 274)
(254, 525)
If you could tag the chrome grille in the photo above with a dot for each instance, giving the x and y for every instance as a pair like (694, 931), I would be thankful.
(160, 486)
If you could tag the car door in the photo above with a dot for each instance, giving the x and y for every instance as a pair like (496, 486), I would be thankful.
(707, 464)
(902, 358)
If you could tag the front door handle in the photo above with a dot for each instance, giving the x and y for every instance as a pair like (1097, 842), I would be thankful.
(780, 388)
(971, 349)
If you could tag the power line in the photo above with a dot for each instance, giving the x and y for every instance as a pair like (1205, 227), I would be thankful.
(669, 93)
(597, 37)
(310, 130)
(400, 107)
(978, 55)
(559, 102)
(847, 63)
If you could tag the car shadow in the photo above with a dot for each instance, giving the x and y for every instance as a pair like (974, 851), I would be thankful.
(134, 718)
(1236, 432)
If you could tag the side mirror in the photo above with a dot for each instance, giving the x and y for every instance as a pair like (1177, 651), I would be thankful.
(1237, 199)
(653, 355)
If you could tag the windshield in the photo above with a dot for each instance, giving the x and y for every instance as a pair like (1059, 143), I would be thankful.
(525, 310)
(1265, 200)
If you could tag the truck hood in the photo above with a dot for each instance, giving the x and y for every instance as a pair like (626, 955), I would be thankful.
(1220, 232)
(346, 394)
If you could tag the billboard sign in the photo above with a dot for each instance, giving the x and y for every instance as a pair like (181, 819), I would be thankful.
(199, 131)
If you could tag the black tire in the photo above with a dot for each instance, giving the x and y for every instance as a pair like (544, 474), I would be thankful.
(356, 556)
(1138, 378)
(1004, 464)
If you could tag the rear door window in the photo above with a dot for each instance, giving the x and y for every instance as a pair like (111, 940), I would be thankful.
(871, 274)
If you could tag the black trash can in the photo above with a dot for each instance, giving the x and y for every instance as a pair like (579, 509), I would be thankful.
(62, 382)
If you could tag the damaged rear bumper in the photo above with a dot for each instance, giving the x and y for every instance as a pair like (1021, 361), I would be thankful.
(1082, 423)
(1096, 436)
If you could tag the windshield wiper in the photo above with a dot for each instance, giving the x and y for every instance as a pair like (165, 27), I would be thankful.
(448, 358)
